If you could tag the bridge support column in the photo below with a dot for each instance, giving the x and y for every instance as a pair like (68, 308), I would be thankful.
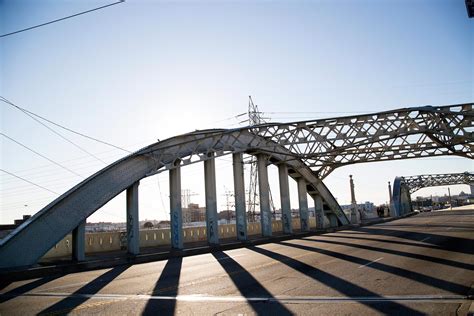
(211, 203)
(319, 211)
(265, 214)
(303, 203)
(239, 195)
(285, 199)
(176, 212)
(133, 225)
(79, 242)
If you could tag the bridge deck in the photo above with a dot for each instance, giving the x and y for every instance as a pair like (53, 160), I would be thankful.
(421, 264)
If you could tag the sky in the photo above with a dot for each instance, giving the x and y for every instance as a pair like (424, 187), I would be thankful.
(140, 70)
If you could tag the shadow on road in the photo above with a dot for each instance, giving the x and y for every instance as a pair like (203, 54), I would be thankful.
(25, 288)
(447, 262)
(396, 242)
(448, 243)
(415, 276)
(167, 284)
(345, 287)
(249, 287)
(67, 304)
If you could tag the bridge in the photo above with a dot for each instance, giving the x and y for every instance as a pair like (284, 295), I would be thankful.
(404, 186)
(414, 265)
(306, 151)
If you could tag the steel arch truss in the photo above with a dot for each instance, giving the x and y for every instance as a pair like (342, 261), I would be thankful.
(31, 240)
(327, 144)
(415, 183)
(310, 149)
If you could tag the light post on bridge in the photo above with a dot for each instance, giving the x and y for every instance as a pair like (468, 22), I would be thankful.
(355, 219)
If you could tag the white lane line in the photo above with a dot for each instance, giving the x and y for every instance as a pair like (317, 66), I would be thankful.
(364, 265)
(424, 239)
(278, 298)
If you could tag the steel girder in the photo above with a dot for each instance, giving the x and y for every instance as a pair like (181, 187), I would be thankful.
(31, 240)
(327, 144)
(415, 183)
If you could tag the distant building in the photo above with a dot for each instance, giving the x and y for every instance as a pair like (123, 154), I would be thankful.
(194, 213)
(227, 215)
(105, 227)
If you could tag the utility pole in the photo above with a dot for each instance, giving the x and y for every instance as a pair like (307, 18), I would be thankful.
(228, 195)
(186, 197)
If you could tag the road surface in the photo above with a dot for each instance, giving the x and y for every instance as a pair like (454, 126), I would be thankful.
(416, 265)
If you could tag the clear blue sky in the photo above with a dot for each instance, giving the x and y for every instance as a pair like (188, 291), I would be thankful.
(142, 70)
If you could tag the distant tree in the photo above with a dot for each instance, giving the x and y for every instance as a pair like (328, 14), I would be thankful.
(148, 225)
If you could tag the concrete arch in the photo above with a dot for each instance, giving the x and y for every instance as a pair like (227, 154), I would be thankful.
(29, 242)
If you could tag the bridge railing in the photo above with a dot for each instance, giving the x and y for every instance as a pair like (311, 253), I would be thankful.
(115, 241)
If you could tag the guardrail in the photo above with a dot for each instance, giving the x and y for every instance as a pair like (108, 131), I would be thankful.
(113, 241)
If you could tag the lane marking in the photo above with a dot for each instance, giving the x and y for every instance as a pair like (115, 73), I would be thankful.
(278, 298)
(424, 239)
(364, 265)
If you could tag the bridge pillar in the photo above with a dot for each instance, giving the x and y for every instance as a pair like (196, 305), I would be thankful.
(319, 211)
(133, 225)
(265, 214)
(79, 242)
(211, 202)
(239, 195)
(285, 199)
(303, 204)
(332, 220)
(176, 211)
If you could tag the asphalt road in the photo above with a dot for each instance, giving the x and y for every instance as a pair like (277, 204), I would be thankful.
(417, 265)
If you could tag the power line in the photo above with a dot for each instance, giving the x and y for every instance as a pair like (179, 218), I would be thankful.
(52, 130)
(41, 155)
(62, 126)
(61, 19)
(37, 185)
(88, 163)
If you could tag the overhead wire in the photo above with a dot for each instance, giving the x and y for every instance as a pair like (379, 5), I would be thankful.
(75, 164)
(62, 126)
(32, 115)
(41, 155)
(23, 179)
(61, 19)
(52, 130)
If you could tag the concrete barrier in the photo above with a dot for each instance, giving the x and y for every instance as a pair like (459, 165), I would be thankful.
(113, 241)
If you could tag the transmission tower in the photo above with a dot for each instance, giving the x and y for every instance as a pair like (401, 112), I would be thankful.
(186, 197)
(255, 118)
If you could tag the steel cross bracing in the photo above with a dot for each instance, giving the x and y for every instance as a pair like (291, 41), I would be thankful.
(415, 183)
(327, 144)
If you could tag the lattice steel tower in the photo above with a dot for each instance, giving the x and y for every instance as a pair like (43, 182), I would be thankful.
(255, 118)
